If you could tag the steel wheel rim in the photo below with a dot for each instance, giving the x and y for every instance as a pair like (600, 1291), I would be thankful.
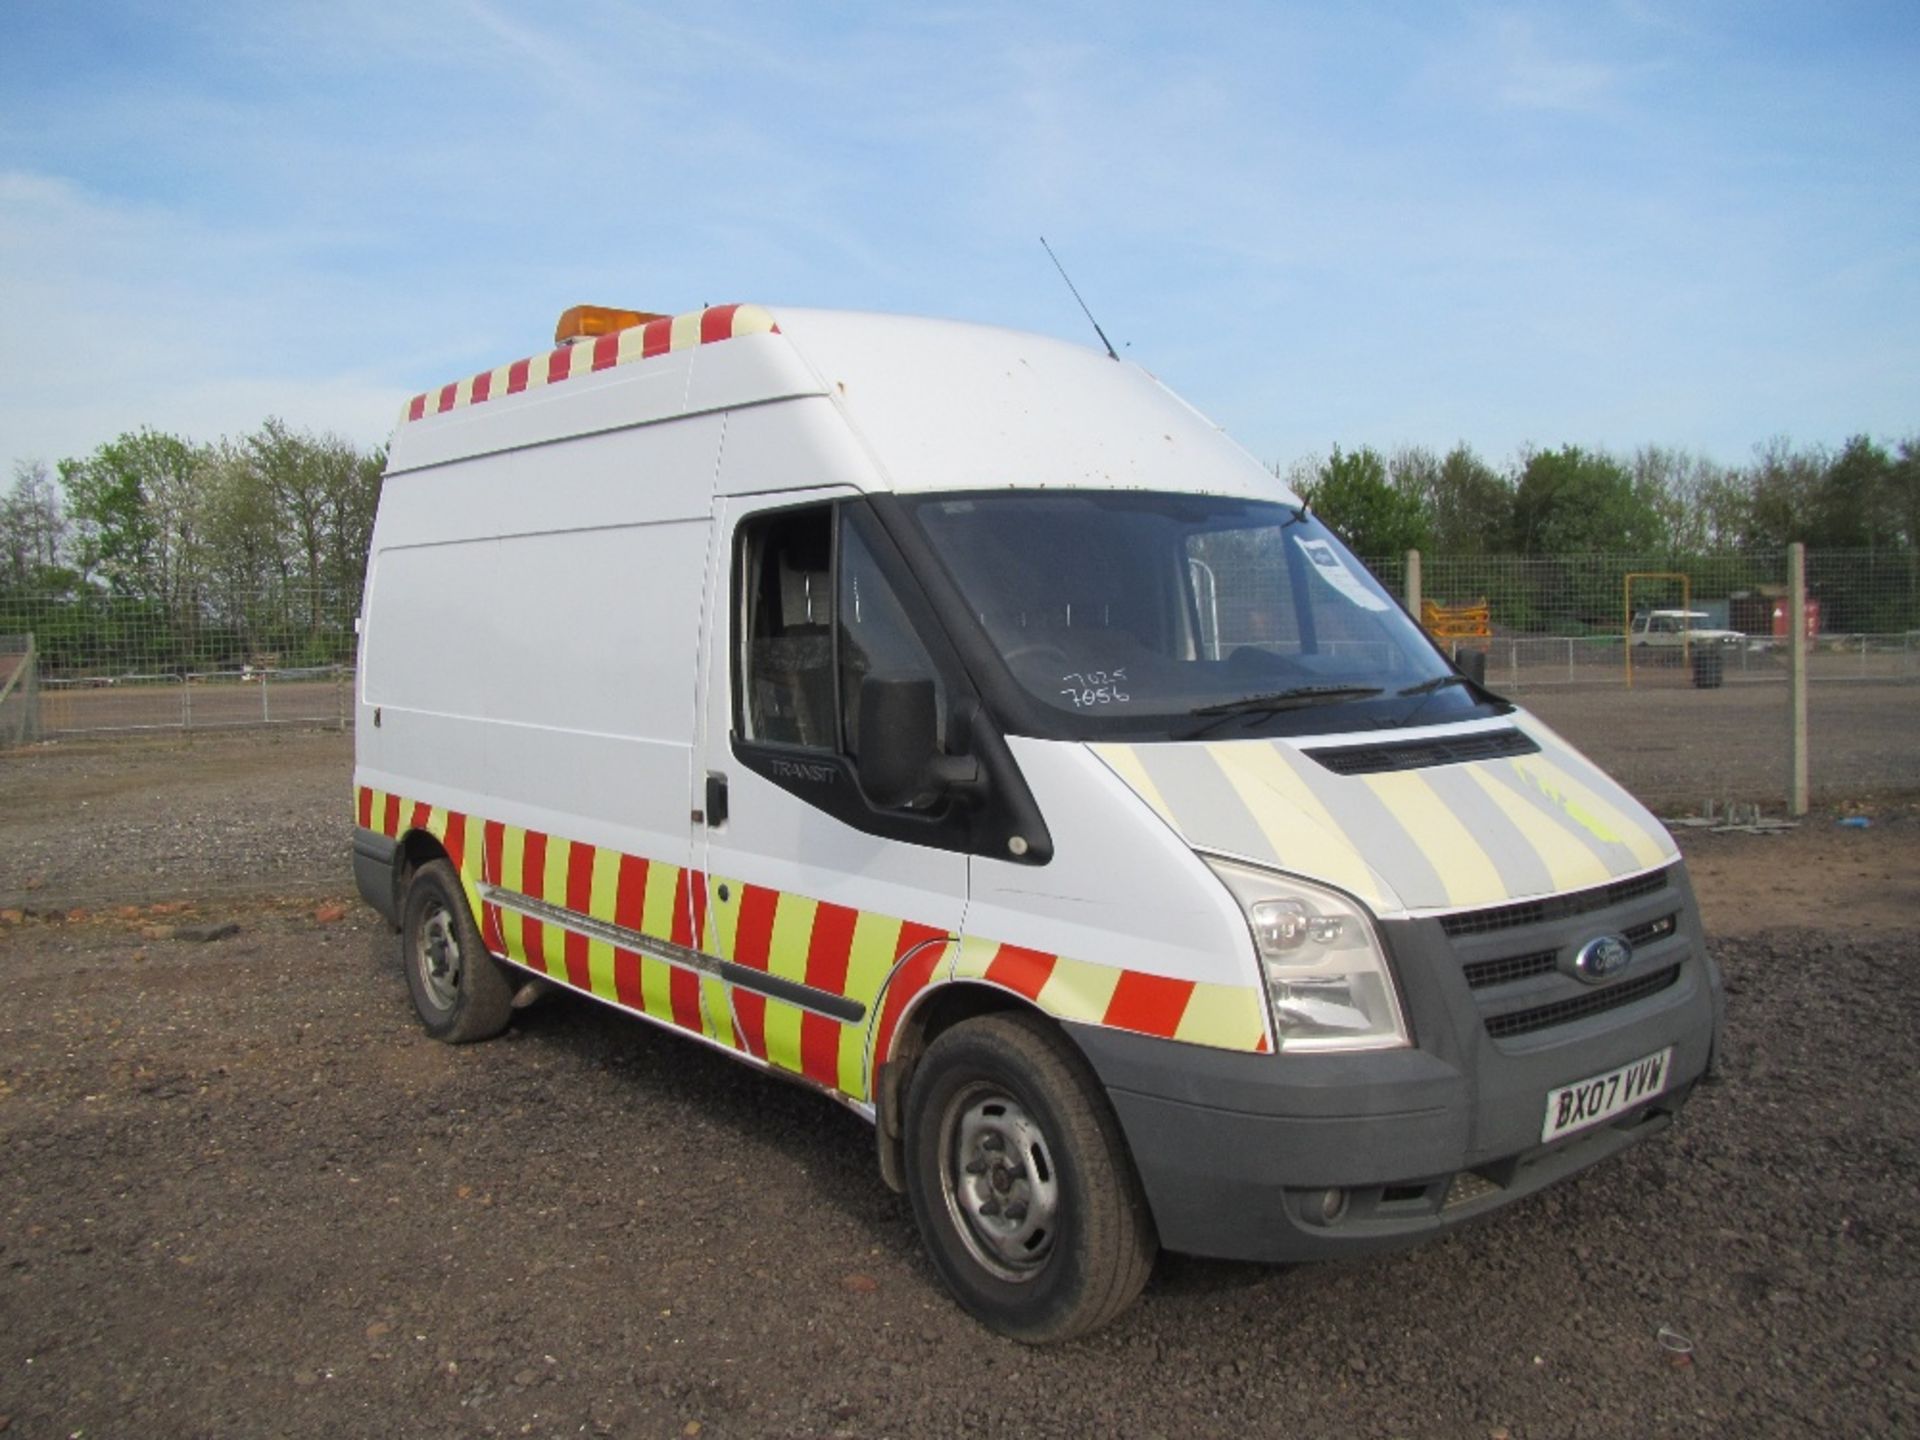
(437, 957)
(1001, 1186)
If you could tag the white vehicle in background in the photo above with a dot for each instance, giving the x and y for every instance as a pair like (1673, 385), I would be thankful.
(1672, 629)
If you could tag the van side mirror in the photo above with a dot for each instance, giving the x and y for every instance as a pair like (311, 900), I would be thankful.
(900, 758)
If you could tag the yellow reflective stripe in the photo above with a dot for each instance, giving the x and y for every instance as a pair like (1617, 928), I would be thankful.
(792, 929)
(686, 330)
(1251, 768)
(974, 954)
(1570, 862)
(604, 897)
(1599, 816)
(869, 962)
(554, 881)
(656, 911)
(1466, 872)
(1079, 991)
(751, 320)
(1125, 763)
(600, 970)
(1230, 1017)
(655, 997)
(783, 1034)
(723, 916)
(716, 1014)
(513, 858)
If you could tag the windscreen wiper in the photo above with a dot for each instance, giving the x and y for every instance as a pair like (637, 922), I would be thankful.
(1439, 682)
(1299, 697)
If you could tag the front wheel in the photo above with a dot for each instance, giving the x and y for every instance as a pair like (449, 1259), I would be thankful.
(457, 987)
(1021, 1183)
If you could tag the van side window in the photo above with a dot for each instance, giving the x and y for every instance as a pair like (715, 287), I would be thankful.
(786, 607)
(816, 620)
(876, 638)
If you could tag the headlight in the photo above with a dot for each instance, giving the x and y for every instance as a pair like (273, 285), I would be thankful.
(1326, 974)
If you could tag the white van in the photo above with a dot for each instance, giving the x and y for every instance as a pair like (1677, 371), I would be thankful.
(956, 721)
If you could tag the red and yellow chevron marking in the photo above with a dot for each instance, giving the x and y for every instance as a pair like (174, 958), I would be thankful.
(881, 961)
(623, 347)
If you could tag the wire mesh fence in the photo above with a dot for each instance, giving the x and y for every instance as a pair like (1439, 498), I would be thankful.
(1670, 672)
(90, 662)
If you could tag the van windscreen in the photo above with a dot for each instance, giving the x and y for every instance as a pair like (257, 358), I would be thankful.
(1184, 616)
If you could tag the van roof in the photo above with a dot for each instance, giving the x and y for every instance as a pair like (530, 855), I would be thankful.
(936, 404)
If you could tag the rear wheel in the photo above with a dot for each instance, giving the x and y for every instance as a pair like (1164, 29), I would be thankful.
(458, 989)
(1021, 1183)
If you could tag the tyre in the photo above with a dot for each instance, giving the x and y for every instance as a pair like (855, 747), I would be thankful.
(458, 989)
(1020, 1181)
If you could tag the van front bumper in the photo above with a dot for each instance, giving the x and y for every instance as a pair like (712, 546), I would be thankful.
(1301, 1157)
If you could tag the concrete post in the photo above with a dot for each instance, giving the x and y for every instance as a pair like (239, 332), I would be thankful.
(1796, 679)
(1413, 583)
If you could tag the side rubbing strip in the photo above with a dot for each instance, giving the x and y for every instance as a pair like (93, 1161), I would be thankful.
(807, 997)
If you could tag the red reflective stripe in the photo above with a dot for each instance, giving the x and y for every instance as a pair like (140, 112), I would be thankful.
(517, 376)
(390, 820)
(697, 886)
(606, 351)
(559, 364)
(422, 812)
(533, 865)
(717, 323)
(482, 387)
(1025, 972)
(750, 1010)
(580, 901)
(683, 989)
(363, 807)
(626, 979)
(456, 839)
(682, 933)
(447, 392)
(754, 933)
(1148, 1004)
(630, 893)
(657, 338)
(829, 945)
(533, 943)
(418, 409)
(820, 1049)
(909, 980)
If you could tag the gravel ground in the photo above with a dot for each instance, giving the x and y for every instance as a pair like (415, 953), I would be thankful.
(243, 1195)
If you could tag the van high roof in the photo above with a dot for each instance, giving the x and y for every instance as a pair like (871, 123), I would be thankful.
(938, 404)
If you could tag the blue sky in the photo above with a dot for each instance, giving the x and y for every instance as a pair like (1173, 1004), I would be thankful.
(1604, 223)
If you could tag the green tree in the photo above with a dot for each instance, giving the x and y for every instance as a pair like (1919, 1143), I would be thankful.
(1355, 496)
(33, 532)
(1574, 502)
(1469, 505)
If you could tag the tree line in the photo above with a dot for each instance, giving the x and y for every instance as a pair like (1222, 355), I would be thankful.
(1656, 501)
(1583, 519)
(158, 554)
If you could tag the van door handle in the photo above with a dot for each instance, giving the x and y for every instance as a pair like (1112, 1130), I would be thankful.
(716, 800)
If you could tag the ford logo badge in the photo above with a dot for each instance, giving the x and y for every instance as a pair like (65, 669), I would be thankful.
(1601, 958)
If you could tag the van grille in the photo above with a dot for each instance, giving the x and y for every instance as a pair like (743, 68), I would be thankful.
(1555, 907)
(1422, 754)
(1597, 1002)
(1512, 967)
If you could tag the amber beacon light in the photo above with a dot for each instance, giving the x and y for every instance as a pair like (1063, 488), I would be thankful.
(587, 322)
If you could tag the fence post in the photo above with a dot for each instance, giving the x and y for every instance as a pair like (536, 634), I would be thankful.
(1413, 584)
(1797, 678)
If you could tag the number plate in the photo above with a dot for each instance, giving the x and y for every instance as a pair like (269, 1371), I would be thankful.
(1590, 1102)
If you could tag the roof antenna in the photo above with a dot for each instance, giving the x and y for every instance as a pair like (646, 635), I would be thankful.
(1111, 353)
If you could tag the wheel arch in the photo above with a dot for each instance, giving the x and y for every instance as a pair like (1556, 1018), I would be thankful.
(929, 1015)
